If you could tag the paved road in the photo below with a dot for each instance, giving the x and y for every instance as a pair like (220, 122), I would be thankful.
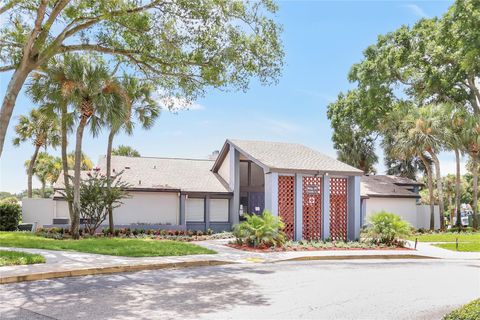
(402, 289)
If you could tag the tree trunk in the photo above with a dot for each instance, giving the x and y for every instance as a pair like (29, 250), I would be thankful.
(430, 191)
(43, 189)
(77, 178)
(14, 86)
(441, 205)
(475, 191)
(31, 165)
(66, 179)
(109, 174)
(458, 190)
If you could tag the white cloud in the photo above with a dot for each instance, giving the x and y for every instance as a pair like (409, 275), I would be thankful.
(417, 11)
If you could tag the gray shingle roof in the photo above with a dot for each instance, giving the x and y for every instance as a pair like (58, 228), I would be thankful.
(278, 156)
(188, 175)
(145, 173)
(387, 186)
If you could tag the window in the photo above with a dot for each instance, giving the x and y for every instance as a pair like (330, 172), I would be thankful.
(195, 210)
(219, 210)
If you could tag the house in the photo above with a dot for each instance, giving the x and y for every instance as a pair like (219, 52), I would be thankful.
(316, 196)
(393, 194)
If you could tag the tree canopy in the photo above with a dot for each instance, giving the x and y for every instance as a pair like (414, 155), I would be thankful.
(184, 46)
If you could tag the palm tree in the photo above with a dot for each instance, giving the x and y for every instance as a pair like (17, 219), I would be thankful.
(94, 96)
(360, 153)
(454, 119)
(426, 130)
(47, 169)
(471, 140)
(85, 162)
(449, 184)
(137, 100)
(125, 151)
(42, 131)
(405, 143)
(48, 88)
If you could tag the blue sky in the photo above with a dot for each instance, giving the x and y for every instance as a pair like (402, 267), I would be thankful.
(322, 39)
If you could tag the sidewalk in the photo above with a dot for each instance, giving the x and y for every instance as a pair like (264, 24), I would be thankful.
(64, 263)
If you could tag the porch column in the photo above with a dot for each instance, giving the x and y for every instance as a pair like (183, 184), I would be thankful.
(325, 207)
(207, 212)
(353, 219)
(271, 192)
(234, 185)
(182, 221)
(298, 207)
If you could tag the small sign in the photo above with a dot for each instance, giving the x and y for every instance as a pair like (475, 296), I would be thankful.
(313, 189)
(257, 208)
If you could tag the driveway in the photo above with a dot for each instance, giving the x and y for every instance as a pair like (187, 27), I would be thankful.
(368, 289)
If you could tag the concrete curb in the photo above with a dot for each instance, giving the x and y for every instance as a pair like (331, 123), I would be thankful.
(360, 257)
(108, 270)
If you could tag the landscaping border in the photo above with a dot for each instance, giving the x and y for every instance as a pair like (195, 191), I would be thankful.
(108, 270)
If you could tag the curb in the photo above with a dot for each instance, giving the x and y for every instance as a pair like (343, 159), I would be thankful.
(360, 257)
(108, 270)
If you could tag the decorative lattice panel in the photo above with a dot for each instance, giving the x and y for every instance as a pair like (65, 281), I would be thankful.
(312, 208)
(338, 208)
(286, 204)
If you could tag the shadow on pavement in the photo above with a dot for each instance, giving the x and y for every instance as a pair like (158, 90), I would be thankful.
(182, 293)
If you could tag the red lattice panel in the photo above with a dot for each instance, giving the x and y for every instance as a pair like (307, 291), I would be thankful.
(338, 208)
(312, 208)
(286, 204)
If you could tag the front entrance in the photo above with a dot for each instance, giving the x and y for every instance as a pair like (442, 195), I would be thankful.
(256, 202)
(312, 208)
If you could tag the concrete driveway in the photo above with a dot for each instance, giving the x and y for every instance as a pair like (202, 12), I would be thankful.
(400, 289)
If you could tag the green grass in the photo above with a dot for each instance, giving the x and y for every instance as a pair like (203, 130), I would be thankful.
(447, 237)
(462, 246)
(108, 246)
(10, 258)
(470, 311)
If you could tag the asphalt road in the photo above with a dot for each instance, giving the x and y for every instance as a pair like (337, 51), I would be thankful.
(402, 289)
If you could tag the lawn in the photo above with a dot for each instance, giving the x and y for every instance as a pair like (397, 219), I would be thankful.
(462, 246)
(108, 246)
(469, 311)
(447, 237)
(10, 258)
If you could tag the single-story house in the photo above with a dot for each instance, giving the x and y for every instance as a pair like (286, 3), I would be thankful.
(393, 194)
(317, 197)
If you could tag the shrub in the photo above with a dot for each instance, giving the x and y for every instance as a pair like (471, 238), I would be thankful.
(387, 228)
(10, 214)
(470, 311)
(263, 231)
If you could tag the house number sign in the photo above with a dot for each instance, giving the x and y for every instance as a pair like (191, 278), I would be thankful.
(313, 189)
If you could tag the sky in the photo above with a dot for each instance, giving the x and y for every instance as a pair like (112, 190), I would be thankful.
(322, 39)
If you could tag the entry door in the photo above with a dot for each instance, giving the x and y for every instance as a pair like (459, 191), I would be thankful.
(256, 202)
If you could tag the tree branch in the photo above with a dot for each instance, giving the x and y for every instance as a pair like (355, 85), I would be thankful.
(8, 6)
(7, 68)
(36, 29)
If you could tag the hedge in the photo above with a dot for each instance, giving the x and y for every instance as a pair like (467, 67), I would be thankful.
(10, 214)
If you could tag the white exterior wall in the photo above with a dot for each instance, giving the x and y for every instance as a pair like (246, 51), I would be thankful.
(195, 210)
(149, 207)
(423, 217)
(40, 211)
(224, 170)
(219, 210)
(406, 208)
(61, 209)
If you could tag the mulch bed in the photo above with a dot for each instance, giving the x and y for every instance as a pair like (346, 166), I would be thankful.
(265, 250)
